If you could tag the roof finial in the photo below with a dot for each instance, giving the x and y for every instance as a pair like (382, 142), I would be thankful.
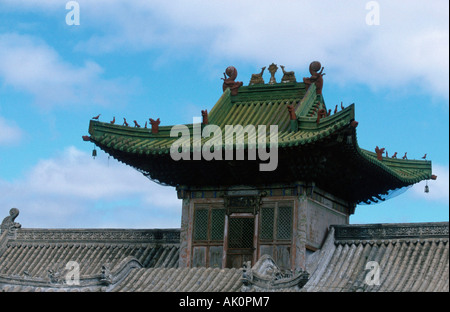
(272, 69)
(316, 69)
(231, 72)
(8, 223)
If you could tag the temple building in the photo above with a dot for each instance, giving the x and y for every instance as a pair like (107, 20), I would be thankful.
(268, 179)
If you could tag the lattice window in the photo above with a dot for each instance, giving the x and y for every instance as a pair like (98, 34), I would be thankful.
(284, 223)
(240, 232)
(209, 224)
(267, 220)
(201, 224)
(217, 224)
(276, 223)
(208, 236)
(275, 231)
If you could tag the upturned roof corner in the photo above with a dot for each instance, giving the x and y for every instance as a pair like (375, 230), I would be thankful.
(314, 142)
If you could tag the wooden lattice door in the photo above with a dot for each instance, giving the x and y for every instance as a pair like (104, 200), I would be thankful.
(240, 241)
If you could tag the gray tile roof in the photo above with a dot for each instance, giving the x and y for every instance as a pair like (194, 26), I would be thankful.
(181, 280)
(382, 257)
(410, 257)
(35, 256)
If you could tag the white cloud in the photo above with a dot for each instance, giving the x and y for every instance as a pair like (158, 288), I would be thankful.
(410, 47)
(10, 133)
(74, 190)
(29, 64)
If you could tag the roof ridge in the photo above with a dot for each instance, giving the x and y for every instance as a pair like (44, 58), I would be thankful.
(135, 236)
(392, 231)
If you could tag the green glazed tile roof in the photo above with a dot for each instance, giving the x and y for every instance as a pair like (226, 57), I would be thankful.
(325, 152)
(268, 110)
(411, 171)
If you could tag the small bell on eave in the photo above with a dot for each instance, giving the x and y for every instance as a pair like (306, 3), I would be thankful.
(94, 153)
(427, 189)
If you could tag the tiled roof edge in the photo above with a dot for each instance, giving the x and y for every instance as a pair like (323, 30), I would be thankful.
(392, 231)
(390, 164)
(103, 235)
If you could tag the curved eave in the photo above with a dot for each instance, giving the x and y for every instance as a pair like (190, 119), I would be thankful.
(406, 170)
(342, 169)
(143, 141)
(324, 152)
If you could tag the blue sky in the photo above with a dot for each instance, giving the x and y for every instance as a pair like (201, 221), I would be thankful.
(150, 59)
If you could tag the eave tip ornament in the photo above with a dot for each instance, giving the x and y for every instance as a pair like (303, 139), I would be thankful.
(229, 82)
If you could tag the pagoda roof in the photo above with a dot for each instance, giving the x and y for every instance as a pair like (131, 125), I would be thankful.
(324, 151)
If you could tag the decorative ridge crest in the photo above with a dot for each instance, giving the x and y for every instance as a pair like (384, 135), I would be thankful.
(288, 76)
(103, 235)
(391, 231)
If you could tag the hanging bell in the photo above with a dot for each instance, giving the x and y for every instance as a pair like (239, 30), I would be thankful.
(94, 153)
(427, 189)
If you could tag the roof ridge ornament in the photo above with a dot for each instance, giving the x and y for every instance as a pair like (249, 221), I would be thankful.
(291, 110)
(379, 152)
(316, 70)
(8, 223)
(266, 275)
(273, 69)
(155, 125)
(288, 76)
(105, 275)
(205, 117)
(229, 82)
(257, 78)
